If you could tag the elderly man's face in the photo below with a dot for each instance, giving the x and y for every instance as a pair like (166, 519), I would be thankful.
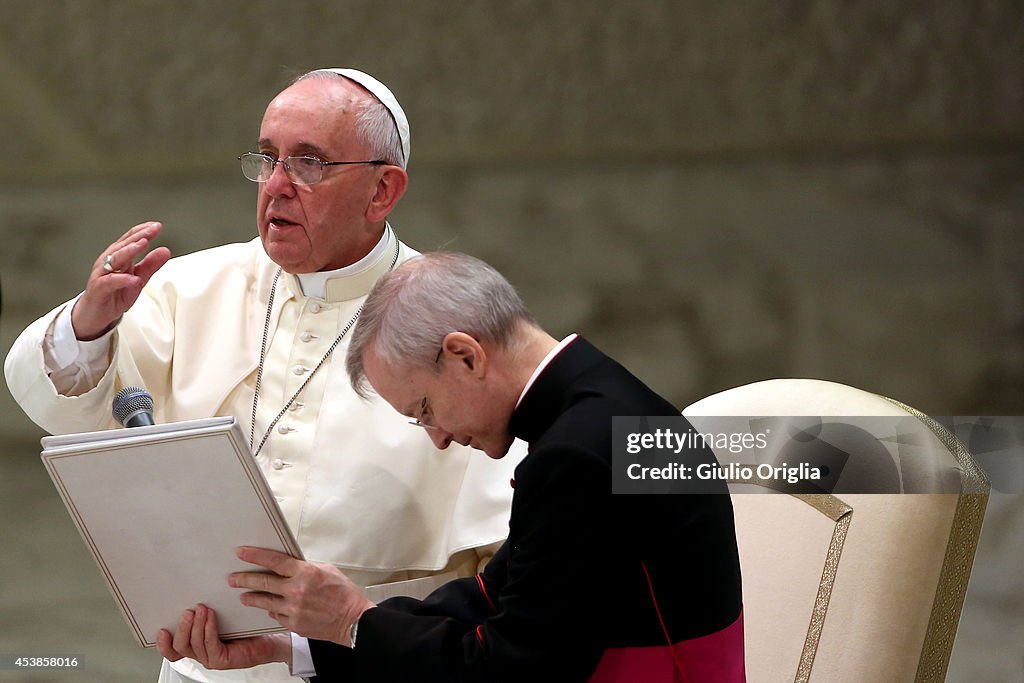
(453, 404)
(309, 228)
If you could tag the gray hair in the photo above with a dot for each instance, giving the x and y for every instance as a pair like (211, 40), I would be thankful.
(411, 309)
(375, 126)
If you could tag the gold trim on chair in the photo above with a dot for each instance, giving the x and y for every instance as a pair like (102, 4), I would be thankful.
(959, 559)
(842, 514)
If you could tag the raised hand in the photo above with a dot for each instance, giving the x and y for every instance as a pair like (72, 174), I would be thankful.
(116, 280)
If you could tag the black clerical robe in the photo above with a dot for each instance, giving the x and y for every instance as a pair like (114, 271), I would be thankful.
(589, 585)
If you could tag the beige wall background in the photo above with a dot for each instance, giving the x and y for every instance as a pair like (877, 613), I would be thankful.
(714, 193)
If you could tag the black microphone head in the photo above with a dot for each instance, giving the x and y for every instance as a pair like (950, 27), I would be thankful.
(133, 407)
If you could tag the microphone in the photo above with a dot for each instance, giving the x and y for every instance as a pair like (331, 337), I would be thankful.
(133, 407)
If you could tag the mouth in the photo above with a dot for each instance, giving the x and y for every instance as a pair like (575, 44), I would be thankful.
(278, 222)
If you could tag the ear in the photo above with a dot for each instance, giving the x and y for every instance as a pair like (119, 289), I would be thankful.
(466, 352)
(391, 185)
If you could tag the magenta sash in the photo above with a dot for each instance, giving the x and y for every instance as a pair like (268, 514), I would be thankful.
(714, 658)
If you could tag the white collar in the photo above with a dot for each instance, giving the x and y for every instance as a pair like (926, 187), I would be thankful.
(544, 363)
(345, 283)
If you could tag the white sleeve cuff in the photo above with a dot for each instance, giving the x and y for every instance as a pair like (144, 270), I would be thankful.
(302, 658)
(66, 350)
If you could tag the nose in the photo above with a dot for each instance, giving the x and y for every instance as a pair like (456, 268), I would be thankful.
(279, 184)
(441, 438)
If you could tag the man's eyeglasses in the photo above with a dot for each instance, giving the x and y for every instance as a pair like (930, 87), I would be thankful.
(300, 170)
(424, 420)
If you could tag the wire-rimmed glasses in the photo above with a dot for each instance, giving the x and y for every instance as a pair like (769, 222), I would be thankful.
(301, 170)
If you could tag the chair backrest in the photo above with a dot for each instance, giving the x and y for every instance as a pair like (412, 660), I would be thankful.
(855, 586)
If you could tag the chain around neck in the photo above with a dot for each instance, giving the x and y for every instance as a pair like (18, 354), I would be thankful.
(263, 358)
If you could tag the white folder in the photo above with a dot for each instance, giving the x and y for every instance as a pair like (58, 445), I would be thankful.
(162, 510)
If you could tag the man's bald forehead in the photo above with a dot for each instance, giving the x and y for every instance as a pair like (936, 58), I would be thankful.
(344, 93)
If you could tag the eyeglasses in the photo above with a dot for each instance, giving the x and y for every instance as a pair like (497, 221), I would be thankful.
(424, 420)
(301, 170)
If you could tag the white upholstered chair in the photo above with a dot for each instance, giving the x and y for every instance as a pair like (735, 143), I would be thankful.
(859, 587)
